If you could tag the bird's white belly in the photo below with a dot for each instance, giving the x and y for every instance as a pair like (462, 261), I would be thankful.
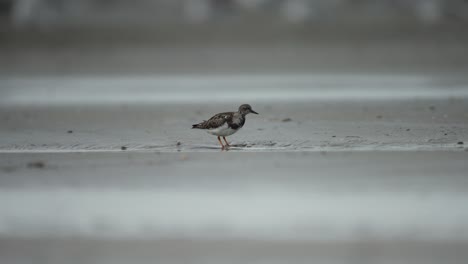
(222, 131)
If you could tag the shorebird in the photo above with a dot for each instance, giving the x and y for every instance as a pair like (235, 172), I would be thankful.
(226, 124)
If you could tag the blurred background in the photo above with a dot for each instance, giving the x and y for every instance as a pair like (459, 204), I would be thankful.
(358, 154)
(232, 36)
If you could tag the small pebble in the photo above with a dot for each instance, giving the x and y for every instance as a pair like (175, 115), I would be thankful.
(179, 143)
(70, 131)
(123, 148)
(286, 120)
(432, 108)
(408, 129)
(460, 143)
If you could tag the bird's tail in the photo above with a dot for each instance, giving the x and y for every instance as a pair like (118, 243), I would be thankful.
(199, 125)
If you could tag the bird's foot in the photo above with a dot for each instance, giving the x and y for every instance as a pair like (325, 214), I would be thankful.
(225, 147)
(227, 144)
(221, 143)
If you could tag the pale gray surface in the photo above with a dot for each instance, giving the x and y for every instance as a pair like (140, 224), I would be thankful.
(313, 125)
(338, 207)
(180, 251)
(297, 112)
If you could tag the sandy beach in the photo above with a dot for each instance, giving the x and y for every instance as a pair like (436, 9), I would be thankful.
(360, 173)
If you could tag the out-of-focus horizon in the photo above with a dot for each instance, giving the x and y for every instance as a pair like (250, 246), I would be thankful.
(232, 36)
(56, 14)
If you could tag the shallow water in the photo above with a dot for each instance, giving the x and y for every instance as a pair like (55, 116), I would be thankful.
(228, 88)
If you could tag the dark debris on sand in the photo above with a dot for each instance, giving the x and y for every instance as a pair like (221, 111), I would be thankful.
(36, 164)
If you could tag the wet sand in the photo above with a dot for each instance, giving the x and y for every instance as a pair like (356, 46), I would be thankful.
(316, 125)
(357, 174)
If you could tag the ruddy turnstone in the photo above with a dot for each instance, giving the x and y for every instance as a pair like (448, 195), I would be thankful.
(226, 124)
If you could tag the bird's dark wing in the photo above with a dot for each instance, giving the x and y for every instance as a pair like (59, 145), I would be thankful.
(214, 122)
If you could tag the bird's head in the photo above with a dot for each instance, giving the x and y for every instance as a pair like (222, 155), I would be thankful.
(246, 109)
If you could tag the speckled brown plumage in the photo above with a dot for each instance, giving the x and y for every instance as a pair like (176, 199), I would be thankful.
(233, 121)
(225, 124)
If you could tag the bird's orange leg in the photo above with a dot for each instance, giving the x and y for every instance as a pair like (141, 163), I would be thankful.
(219, 140)
(227, 144)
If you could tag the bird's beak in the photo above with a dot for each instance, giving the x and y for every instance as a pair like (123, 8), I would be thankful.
(252, 111)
